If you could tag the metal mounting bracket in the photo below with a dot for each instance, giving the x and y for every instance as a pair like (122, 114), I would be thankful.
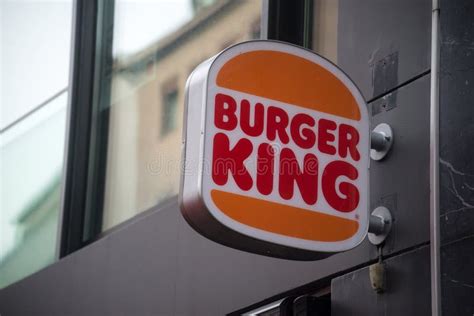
(381, 140)
(380, 224)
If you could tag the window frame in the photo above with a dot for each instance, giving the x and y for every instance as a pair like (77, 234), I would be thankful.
(289, 21)
(86, 141)
(86, 145)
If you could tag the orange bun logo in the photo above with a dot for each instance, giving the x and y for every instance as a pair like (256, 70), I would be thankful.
(276, 152)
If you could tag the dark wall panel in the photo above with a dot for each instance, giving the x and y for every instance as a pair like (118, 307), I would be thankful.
(383, 43)
(157, 264)
(456, 156)
(401, 180)
(407, 289)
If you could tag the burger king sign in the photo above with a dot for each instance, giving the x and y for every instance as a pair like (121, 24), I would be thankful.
(276, 152)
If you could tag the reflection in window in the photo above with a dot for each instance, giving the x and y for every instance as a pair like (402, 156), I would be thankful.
(34, 49)
(199, 4)
(255, 29)
(143, 169)
(31, 163)
(169, 111)
(325, 21)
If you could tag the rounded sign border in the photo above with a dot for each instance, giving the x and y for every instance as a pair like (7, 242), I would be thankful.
(211, 68)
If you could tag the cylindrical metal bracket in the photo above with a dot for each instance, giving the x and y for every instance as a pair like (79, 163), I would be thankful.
(380, 224)
(381, 140)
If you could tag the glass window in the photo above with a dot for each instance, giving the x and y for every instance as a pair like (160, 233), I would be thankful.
(155, 46)
(169, 111)
(325, 23)
(34, 63)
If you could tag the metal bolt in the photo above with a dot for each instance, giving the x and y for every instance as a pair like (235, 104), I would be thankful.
(381, 140)
(380, 224)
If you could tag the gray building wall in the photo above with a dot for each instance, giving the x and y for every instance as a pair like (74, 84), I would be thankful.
(156, 264)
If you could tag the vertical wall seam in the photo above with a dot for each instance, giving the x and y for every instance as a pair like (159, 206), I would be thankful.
(434, 162)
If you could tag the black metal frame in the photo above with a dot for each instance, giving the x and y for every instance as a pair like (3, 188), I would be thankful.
(87, 134)
(100, 122)
(80, 112)
(290, 21)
